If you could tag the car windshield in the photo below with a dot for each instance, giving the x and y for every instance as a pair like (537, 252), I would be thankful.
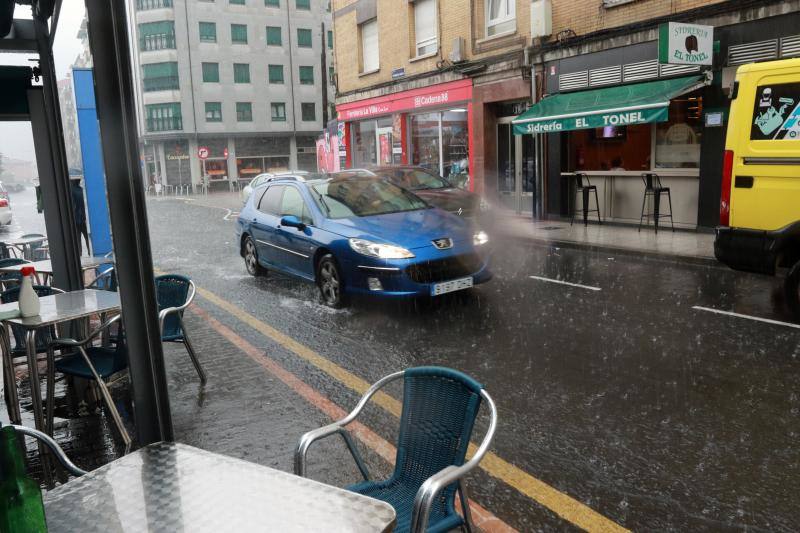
(414, 179)
(344, 198)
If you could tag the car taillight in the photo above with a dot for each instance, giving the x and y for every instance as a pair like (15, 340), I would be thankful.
(727, 180)
(3, 202)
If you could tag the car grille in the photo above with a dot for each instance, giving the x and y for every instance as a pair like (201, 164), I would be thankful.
(445, 269)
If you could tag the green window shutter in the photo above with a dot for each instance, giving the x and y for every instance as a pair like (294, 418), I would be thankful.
(157, 35)
(208, 32)
(303, 4)
(278, 112)
(330, 74)
(309, 111)
(303, 38)
(272, 3)
(306, 75)
(274, 36)
(241, 73)
(276, 73)
(211, 72)
(160, 76)
(244, 112)
(239, 33)
(213, 111)
(164, 117)
(330, 39)
(143, 5)
(236, 2)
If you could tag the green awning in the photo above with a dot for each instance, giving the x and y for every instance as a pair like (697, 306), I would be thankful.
(639, 103)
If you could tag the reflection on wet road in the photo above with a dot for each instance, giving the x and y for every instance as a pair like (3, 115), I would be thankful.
(648, 411)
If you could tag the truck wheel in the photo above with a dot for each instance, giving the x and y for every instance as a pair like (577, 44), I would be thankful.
(792, 288)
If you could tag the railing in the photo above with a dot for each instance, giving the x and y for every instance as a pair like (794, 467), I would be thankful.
(161, 83)
(164, 124)
(143, 5)
(158, 42)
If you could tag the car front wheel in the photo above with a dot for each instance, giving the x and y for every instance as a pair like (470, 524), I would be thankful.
(329, 280)
(251, 258)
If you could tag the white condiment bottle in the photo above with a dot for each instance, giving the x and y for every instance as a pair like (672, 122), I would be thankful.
(28, 299)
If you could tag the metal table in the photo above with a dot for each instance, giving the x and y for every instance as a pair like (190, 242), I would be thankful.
(25, 245)
(45, 268)
(54, 310)
(173, 487)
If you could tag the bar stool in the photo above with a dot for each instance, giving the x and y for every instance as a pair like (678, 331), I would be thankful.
(653, 187)
(584, 186)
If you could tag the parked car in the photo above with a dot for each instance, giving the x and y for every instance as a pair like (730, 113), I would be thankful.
(759, 216)
(254, 183)
(436, 190)
(359, 234)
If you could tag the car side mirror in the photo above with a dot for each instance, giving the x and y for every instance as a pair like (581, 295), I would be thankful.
(292, 222)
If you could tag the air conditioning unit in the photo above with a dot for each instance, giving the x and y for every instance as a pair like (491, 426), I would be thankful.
(457, 54)
(541, 18)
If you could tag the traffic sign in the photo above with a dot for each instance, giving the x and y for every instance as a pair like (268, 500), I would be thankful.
(202, 152)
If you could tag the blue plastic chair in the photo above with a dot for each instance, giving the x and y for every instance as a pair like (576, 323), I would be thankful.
(439, 410)
(94, 363)
(9, 279)
(174, 294)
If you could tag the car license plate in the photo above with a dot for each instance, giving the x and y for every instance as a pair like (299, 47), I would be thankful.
(451, 286)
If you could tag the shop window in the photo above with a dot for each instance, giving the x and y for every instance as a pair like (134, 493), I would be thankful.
(308, 111)
(306, 75)
(370, 55)
(678, 140)
(244, 112)
(425, 27)
(618, 148)
(208, 32)
(455, 139)
(278, 112)
(330, 39)
(425, 141)
(304, 5)
(500, 17)
(164, 117)
(160, 76)
(364, 143)
(239, 33)
(276, 73)
(210, 72)
(272, 3)
(274, 36)
(241, 73)
(213, 111)
(303, 38)
(157, 36)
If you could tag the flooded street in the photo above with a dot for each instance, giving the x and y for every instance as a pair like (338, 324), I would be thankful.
(617, 383)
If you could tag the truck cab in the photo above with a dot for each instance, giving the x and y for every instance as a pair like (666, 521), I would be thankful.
(759, 227)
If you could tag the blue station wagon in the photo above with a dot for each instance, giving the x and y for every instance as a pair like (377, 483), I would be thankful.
(359, 234)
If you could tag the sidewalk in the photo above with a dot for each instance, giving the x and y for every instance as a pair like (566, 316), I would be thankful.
(681, 245)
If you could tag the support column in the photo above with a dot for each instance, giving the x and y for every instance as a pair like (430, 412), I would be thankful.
(194, 164)
(162, 163)
(116, 109)
(293, 152)
(233, 171)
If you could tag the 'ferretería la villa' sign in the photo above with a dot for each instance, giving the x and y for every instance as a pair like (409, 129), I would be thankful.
(685, 44)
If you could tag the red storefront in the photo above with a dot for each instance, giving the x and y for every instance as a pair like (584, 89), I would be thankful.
(431, 127)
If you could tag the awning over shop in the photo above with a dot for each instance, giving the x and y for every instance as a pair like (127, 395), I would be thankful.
(639, 103)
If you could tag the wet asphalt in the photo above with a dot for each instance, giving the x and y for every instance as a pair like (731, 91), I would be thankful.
(656, 415)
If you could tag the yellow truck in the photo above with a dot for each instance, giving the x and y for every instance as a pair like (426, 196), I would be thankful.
(759, 227)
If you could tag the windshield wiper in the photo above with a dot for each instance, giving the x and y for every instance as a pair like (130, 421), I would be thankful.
(322, 201)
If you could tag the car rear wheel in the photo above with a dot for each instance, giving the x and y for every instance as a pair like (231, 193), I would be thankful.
(251, 258)
(329, 281)
(792, 288)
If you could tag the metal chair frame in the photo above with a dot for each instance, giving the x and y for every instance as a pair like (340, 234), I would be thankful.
(653, 187)
(58, 452)
(580, 178)
(162, 316)
(80, 346)
(433, 485)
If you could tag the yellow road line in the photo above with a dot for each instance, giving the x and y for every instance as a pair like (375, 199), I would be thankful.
(561, 504)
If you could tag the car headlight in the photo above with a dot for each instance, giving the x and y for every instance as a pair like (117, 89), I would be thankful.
(381, 251)
(484, 205)
(480, 238)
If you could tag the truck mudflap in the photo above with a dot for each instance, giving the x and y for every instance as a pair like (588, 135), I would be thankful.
(756, 250)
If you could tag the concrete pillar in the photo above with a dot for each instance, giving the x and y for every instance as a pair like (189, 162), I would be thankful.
(233, 172)
(293, 152)
(162, 162)
(194, 164)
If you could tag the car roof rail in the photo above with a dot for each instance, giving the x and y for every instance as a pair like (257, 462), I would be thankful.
(286, 177)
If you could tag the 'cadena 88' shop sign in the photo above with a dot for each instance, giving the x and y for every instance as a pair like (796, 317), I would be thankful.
(601, 120)
(433, 96)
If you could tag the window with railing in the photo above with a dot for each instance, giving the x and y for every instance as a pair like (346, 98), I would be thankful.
(278, 112)
(306, 75)
(164, 117)
(303, 4)
(308, 110)
(213, 111)
(303, 38)
(239, 33)
(241, 73)
(157, 35)
(274, 36)
(160, 76)
(208, 32)
(144, 5)
(210, 72)
(244, 112)
(272, 3)
(276, 73)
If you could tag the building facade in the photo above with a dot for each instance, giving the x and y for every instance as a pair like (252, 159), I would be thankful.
(601, 47)
(436, 83)
(229, 89)
(69, 122)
